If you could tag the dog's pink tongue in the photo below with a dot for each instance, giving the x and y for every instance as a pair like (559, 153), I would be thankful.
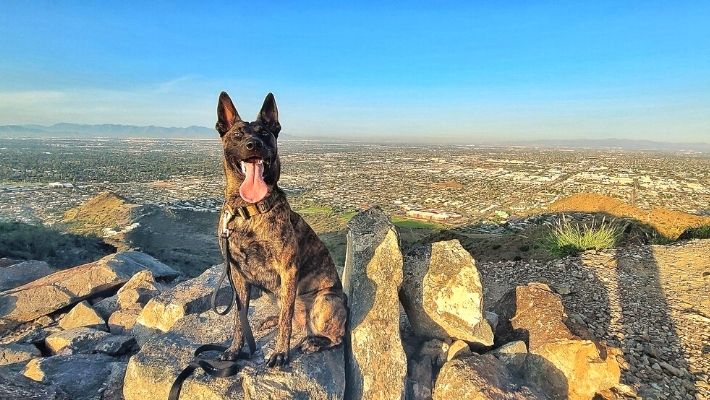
(253, 188)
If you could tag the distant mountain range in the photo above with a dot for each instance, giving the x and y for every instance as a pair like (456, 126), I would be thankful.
(67, 130)
(626, 144)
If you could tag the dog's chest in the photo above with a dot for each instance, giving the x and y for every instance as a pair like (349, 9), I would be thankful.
(257, 260)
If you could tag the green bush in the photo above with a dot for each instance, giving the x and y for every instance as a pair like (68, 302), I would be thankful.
(568, 237)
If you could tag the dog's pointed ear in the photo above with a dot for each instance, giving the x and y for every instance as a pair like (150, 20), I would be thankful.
(227, 114)
(269, 115)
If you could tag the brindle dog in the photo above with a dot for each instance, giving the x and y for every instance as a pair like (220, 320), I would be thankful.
(275, 249)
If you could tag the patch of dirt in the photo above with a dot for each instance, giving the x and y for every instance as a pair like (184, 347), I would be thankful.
(668, 223)
(448, 185)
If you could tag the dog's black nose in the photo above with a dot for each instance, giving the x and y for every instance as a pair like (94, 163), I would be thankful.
(250, 144)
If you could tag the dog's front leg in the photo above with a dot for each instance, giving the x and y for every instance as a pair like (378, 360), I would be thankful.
(242, 289)
(287, 298)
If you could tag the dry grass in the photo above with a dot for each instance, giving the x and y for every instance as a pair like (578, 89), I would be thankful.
(568, 237)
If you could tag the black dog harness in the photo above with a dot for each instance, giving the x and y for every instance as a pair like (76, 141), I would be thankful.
(210, 366)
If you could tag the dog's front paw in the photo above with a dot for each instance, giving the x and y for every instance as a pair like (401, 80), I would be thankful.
(278, 359)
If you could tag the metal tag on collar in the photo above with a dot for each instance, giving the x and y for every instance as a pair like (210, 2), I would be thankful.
(262, 206)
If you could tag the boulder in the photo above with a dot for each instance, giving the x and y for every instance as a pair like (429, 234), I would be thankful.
(76, 340)
(94, 372)
(15, 353)
(559, 362)
(189, 297)
(153, 369)
(70, 286)
(138, 290)
(532, 313)
(572, 369)
(82, 315)
(15, 386)
(27, 271)
(442, 294)
(376, 361)
(480, 378)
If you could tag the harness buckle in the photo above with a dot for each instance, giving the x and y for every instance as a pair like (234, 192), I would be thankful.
(243, 212)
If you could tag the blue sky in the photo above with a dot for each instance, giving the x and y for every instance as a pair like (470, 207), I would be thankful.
(476, 70)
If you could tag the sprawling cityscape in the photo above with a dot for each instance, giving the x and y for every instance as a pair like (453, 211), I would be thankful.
(41, 178)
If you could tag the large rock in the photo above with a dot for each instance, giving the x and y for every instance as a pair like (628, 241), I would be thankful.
(18, 274)
(123, 320)
(81, 376)
(377, 364)
(559, 362)
(151, 372)
(189, 297)
(532, 313)
(82, 315)
(70, 286)
(479, 378)
(572, 369)
(442, 294)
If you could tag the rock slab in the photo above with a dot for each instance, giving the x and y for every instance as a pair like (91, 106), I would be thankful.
(61, 289)
(481, 378)
(377, 363)
(151, 372)
(443, 296)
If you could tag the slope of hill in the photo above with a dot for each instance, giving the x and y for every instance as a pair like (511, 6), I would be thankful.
(668, 223)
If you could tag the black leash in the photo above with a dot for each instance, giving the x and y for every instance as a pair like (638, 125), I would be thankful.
(210, 366)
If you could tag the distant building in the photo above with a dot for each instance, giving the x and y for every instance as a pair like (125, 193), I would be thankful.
(433, 215)
(59, 185)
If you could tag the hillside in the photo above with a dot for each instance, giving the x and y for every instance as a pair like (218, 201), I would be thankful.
(669, 223)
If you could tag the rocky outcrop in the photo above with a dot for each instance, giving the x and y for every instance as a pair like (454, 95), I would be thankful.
(70, 286)
(152, 371)
(377, 364)
(18, 274)
(533, 313)
(559, 363)
(443, 296)
(481, 378)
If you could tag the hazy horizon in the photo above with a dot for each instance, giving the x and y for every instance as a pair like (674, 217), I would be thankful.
(480, 73)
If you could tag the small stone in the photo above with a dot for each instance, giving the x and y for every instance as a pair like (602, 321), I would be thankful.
(458, 348)
(76, 340)
(138, 290)
(116, 345)
(14, 353)
(123, 320)
(82, 315)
